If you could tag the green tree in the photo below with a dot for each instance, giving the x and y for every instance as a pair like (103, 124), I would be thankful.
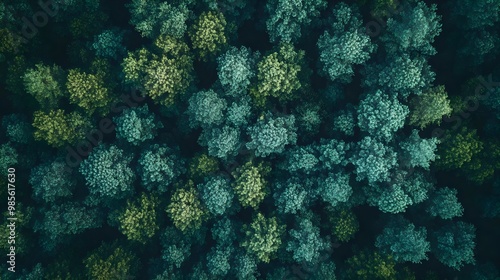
(344, 224)
(418, 152)
(109, 44)
(458, 148)
(287, 19)
(271, 134)
(45, 84)
(263, 237)
(17, 128)
(218, 260)
(334, 188)
(250, 184)
(223, 143)
(429, 107)
(280, 74)
(208, 34)
(373, 160)
(292, 196)
(202, 165)
(371, 265)
(88, 91)
(9, 157)
(58, 128)
(138, 220)
(185, 209)
(111, 261)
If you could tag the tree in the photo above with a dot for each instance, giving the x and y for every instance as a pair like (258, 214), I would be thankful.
(159, 167)
(418, 152)
(332, 152)
(344, 122)
(443, 203)
(475, 15)
(185, 209)
(388, 198)
(381, 115)
(8, 157)
(287, 19)
(109, 44)
(263, 237)
(154, 18)
(108, 174)
(17, 128)
(245, 266)
(236, 69)
(238, 113)
(88, 91)
(344, 46)
(344, 224)
(206, 109)
(453, 244)
(45, 84)
(373, 160)
(202, 165)
(218, 260)
(58, 128)
(280, 74)
(413, 30)
(401, 75)
(50, 181)
(293, 195)
(164, 76)
(222, 142)
(208, 34)
(138, 219)
(371, 265)
(458, 148)
(136, 125)
(111, 261)
(250, 184)
(223, 231)
(216, 194)
(403, 241)
(429, 107)
(308, 119)
(300, 160)
(62, 221)
(335, 188)
(306, 243)
(271, 134)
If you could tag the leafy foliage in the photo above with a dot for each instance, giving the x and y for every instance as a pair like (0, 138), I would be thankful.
(429, 107)
(306, 242)
(263, 237)
(250, 184)
(217, 194)
(159, 167)
(271, 134)
(209, 33)
(136, 125)
(58, 128)
(443, 203)
(453, 244)
(45, 84)
(185, 209)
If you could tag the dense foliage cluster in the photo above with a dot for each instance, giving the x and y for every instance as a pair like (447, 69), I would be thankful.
(233, 139)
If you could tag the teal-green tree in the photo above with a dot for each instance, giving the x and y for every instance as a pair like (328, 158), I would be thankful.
(154, 18)
(381, 115)
(335, 188)
(418, 152)
(17, 128)
(288, 19)
(306, 243)
(413, 30)
(109, 44)
(292, 195)
(223, 143)
(453, 244)
(218, 260)
(50, 181)
(136, 125)
(216, 194)
(404, 241)
(373, 160)
(108, 174)
(443, 203)
(271, 134)
(159, 167)
(236, 69)
(344, 45)
(206, 109)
